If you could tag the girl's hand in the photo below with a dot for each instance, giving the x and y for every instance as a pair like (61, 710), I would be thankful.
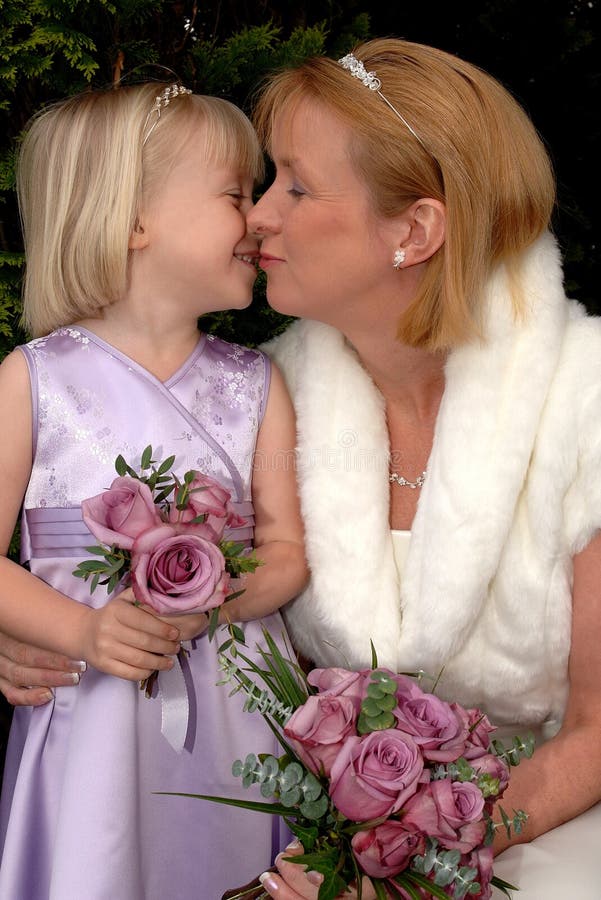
(124, 640)
(294, 882)
(27, 672)
(189, 625)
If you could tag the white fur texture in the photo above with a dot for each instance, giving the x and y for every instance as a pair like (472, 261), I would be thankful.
(513, 490)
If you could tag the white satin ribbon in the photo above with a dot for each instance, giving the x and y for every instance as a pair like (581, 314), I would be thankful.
(175, 707)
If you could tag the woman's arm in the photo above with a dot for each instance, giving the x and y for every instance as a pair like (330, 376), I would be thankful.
(119, 638)
(279, 539)
(27, 672)
(563, 778)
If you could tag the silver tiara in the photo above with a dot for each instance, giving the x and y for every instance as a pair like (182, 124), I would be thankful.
(371, 81)
(160, 102)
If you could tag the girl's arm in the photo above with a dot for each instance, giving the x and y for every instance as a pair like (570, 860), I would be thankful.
(119, 639)
(278, 526)
(563, 778)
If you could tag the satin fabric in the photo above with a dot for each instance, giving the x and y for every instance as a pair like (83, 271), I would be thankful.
(80, 817)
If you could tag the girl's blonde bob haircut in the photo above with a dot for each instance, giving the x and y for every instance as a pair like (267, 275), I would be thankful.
(483, 160)
(83, 175)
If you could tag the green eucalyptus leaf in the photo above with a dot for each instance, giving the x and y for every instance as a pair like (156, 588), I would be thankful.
(268, 788)
(371, 707)
(120, 465)
(291, 797)
(387, 703)
(375, 692)
(314, 809)
(311, 787)
(291, 776)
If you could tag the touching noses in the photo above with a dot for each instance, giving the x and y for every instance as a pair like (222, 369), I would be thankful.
(261, 217)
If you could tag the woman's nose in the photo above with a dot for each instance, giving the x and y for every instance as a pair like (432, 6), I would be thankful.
(261, 218)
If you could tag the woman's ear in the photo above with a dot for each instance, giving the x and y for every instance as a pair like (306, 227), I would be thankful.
(138, 239)
(423, 231)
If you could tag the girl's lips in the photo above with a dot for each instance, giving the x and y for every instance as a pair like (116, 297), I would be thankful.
(249, 259)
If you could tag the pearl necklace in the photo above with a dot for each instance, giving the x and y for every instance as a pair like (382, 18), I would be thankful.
(402, 482)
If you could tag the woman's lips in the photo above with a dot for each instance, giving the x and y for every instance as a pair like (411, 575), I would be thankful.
(266, 261)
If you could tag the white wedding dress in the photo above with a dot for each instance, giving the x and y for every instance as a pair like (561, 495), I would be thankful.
(562, 864)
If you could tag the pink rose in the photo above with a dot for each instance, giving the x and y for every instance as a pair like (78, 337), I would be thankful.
(177, 573)
(210, 499)
(434, 724)
(341, 683)
(450, 811)
(482, 860)
(121, 513)
(318, 729)
(489, 764)
(480, 731)
(374, 775)
(387, 849)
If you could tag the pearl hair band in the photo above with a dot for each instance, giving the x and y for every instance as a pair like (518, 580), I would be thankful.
(160, 102)
(371, 81)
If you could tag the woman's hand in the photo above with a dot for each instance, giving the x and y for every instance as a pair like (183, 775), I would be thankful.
(124, 640)
(293, 882)
(27, 673)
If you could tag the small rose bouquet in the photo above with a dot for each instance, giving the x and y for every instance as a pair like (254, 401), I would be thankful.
(165, 537)
(378, 777)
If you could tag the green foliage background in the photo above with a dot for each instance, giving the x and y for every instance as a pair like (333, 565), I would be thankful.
(545, 51)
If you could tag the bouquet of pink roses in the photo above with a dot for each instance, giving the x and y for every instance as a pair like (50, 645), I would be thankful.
(166, 535)
(378, 777)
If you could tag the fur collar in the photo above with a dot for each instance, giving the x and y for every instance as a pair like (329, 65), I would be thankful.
(494, 395)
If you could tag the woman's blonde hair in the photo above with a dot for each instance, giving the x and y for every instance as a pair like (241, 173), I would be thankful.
(479, 154)
(84, 170)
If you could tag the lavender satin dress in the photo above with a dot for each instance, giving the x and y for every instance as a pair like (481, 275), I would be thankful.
(79, 819)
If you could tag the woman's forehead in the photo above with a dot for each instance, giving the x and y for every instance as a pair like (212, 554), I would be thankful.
(306, 129)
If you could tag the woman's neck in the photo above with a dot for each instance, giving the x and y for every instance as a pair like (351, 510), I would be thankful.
(410, 379)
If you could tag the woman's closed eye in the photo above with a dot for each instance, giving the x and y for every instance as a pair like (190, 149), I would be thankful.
(296, 191)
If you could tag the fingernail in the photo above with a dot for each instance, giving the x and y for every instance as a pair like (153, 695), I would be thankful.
(314, 877)
(268, 881)
(80, 665)
(70, 678)
(294, 845)
(46, 696)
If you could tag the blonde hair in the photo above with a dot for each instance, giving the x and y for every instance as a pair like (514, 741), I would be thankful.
(83, 173)
(481, 156)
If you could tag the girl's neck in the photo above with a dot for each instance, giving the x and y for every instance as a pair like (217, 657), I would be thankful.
(161, 344)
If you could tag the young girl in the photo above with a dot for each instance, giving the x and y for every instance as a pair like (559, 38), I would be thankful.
(133, 204)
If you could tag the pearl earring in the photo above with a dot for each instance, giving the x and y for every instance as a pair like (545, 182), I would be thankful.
(399, 258)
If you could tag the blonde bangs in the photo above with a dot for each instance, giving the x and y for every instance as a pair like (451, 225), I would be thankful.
(84, 167)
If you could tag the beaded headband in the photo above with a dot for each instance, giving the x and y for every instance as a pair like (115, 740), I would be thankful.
(160, 102)
(371, 81)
